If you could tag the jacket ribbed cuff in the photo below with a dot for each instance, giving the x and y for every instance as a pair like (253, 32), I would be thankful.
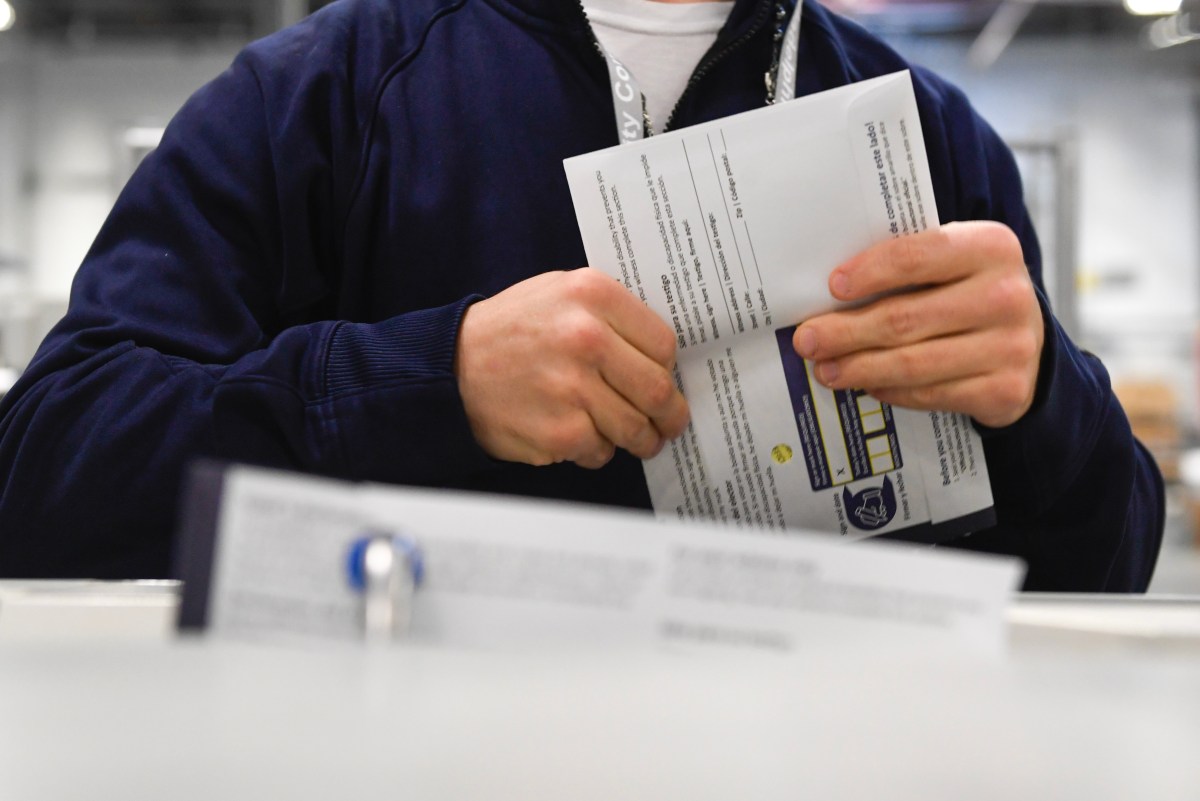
(411, 347)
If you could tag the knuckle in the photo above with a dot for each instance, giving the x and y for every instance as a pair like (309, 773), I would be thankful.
(558, 442)
(1023, 348)
(924, 397)
(585, 280)
(675, 427)
(624, 427)
(561, 389)
(1011, 352)
(1010, 295)
(583, 333)
(999, 401)
(606, 290)
(663, 343)
(564, 438)
(588, 287)
(899, 321)
(909, 253)
(544, 458)
(660, 391)
(992, 239)
(598, 457)
(681, 420)
(1011, 394)
(605, 454)
(1001, 240)
(638, 437)
(674, 421)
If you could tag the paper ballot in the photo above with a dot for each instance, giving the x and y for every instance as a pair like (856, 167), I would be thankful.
(502, 572)
(729, 230)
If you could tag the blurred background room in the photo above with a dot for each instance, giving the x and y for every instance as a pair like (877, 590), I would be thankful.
(1100, 100)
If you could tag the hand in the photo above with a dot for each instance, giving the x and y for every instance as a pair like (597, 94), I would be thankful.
(966, 337)
(568, 366)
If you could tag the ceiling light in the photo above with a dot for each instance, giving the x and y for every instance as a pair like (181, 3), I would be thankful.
(7, 15)
(1147, 7)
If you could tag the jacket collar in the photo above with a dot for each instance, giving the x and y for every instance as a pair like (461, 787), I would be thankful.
(570, 12)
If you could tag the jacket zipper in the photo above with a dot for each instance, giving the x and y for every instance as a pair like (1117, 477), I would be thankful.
(705, 66)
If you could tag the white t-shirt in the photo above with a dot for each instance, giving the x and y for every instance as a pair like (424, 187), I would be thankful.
(660, 43)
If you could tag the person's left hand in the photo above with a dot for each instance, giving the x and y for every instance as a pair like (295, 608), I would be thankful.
(962, 333)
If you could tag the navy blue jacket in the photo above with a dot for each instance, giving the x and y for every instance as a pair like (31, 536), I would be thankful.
(282, 282)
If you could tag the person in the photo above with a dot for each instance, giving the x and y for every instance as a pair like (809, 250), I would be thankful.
(354, 254)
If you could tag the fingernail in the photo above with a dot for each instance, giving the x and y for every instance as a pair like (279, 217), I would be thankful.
(806, 343)
(826, 372)
(839, 284)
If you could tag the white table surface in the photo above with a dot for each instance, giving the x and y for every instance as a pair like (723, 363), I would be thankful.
(137, 713)
(222, 720)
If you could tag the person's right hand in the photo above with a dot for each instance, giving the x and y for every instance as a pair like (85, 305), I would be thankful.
(568, 366)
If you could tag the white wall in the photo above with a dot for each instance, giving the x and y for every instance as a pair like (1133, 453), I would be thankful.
(82, 102)
(15, 88)
(62, 113)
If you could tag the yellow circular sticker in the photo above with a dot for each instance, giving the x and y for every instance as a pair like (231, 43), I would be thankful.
(782, 454)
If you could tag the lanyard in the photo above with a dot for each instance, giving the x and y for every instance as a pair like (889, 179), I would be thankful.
(629, 105)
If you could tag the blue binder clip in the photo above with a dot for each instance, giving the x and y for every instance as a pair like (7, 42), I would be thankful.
(386, 569)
